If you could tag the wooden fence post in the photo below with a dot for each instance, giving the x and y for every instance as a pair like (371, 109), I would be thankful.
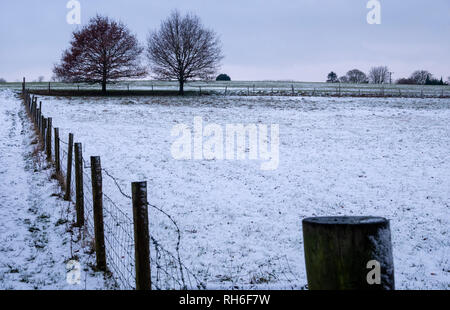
(57, 156)
(44, 130)
(97, 193)
(141, 236)
(79, 204)
(49, 138)
(23, 86)
(67, 197)
(226, 88)
(37, 118)
(348, 253)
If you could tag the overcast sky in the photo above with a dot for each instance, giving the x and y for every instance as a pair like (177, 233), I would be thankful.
(262, 40)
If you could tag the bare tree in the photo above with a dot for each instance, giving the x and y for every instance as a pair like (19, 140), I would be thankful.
(102, 52)
(421, 76)
(2, 81)
(183, 49)
(343, 79)
(41, 79)
(379, 75)
(356, 76)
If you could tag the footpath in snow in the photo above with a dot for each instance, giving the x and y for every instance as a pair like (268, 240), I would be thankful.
(35, 223)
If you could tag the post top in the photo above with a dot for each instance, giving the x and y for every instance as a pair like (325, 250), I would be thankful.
(346, 220)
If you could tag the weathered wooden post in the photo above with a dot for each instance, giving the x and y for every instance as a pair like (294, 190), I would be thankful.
(49, 138)
(226, 88)
(97, 193)
(23, 86)
(49, 88)
(348, 253)
(293, 90)
(67, 197)
(141, 236)
(57, 155)
(39, 116)
(44, 133)
(79, 204)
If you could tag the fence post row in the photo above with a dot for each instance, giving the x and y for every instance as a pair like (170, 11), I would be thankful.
(69, 168)
(79, 204)
(141, 236)
(97, 193)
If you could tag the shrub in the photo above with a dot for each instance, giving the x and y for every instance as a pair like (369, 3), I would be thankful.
(223, 77)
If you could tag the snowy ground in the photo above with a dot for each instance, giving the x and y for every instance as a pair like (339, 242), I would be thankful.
(241, 227)
(35, 234)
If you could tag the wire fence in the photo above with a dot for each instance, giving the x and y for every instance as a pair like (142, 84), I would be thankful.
(261, 88)
(167, 269)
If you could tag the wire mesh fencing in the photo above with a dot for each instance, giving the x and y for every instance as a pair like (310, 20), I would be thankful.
(168, 272)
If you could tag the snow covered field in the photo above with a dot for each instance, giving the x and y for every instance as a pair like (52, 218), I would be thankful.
(35, 243)
(241, 226)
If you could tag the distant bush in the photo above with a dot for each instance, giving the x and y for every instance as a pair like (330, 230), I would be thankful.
(406, 81)
(431, 81)
(2, 81)
(223, 77)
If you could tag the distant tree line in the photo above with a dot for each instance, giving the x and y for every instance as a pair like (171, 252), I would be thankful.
(422, 77)
(2, 81)
(382, 75)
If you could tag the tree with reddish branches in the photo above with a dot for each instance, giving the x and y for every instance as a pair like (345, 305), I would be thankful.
(104, 51)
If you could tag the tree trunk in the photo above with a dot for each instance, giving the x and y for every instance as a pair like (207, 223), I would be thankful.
(104, 87)
(181, 92)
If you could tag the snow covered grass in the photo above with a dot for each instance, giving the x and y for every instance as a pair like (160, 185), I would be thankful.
(36, 236)
(241, 227)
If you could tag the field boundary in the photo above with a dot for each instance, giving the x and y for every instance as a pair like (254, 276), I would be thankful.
(122, 245)
(288, 89)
